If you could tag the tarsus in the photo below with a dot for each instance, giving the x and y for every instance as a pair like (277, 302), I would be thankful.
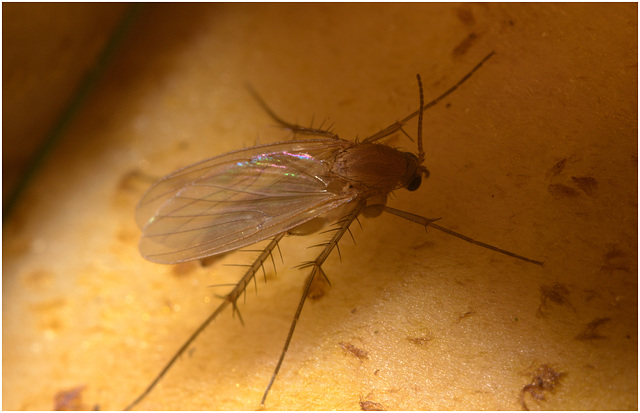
(315, 270)
(429, 223)
(230, 298)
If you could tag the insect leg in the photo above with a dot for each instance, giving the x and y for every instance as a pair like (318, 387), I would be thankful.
(429, 222)
(230, 298)
(316, 268)
(398, 125)
(303, 130)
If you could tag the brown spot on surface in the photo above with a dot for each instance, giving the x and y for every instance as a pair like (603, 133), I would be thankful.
(66, 400)
(465, 15)
(419, 341)
(464, 45)
(130, 186)
(616, 259)
(586, 184)
(545, 379)
(590, 331)
(465, 315)
(50, 314)
(134, 180)
(562, 191)
(556, 168)
(319, 286)
(357, 352)
(38, 279)
(127, 235)
(557, 294)
(369, 406)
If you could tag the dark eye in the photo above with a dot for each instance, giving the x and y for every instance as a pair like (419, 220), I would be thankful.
(415, 183)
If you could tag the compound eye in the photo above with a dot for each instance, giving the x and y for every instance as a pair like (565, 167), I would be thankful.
(415, 183)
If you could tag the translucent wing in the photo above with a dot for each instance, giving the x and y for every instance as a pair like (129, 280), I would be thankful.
(239, 198)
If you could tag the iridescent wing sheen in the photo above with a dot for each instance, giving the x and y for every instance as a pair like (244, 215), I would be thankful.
(239, 198)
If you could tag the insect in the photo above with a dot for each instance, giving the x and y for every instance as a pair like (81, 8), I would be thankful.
(297, 187)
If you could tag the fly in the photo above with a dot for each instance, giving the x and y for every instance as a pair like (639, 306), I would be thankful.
(289, 188)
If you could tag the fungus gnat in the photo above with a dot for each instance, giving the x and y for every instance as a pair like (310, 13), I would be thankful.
(296, 187)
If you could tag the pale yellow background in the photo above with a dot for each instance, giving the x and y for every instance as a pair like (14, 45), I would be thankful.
(81, 307)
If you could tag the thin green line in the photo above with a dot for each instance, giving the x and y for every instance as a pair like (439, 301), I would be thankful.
(83, 91)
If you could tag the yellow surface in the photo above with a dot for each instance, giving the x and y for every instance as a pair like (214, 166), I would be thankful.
(446, 325)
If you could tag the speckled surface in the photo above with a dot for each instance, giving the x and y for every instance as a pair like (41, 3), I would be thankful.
(537, 153)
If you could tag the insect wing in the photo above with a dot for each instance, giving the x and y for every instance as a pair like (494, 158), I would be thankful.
(236, 199)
